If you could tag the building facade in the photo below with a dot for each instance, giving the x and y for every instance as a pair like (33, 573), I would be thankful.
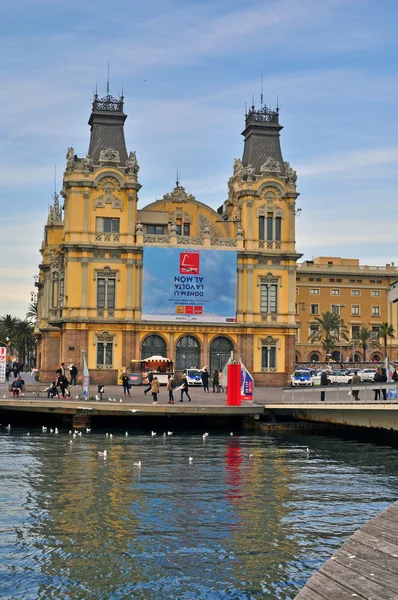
(358, 293)
(92, 278)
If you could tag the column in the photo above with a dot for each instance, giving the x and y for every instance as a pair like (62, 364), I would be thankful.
(138, 306)
(292, 291)
(249, 305)
(84, 263)
(292, 223)
(129, 283)
(239, 285)
(249, 219)
(86, 196)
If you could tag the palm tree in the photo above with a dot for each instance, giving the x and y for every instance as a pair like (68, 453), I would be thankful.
(366, 338)
(24, 341)
(32, 312)
(330, 327)
(385, 331)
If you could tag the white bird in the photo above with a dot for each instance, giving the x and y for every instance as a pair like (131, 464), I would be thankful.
(8, 427)
(80, 434)
(77, 397)
(153, 433)
(206, 434)
(231, 433)
(88, 430)
(107, 434)
(120, 400)
(169, 433)
(74, 434)
(70, 442)
(110, 436)
(44, 428)
(51, 430)
(251, 455)
(4, 396)
(56, 430)
(164, 435)
(133, 410)
(70, 432)
(190, 459)
(103, 454)
(28, 433)
(308, 451)
(126, 434)
(96, 397)
(137, 464)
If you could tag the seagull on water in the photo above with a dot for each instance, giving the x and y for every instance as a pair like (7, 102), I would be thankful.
(231, 433)
(51, 431)
(44, 429)
(107, 434)
(133, 410)
(169, 433)
(28, 433)
(137, 464)
(8, 427)
(164, 435)
(56, 430)
(110, 436)
(190, 459)
(70, 442)
(103, 454)
(126, 434)
(251, 455)
(308, 451)
(88, 430)
(153, 433)
(70, 431)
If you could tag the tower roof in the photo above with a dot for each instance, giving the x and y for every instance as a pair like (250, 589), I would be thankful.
(262, 139)
(107, 128)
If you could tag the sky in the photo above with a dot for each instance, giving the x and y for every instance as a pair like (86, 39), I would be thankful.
(187, 68)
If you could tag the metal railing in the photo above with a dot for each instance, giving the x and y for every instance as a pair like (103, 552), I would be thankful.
(387, 393)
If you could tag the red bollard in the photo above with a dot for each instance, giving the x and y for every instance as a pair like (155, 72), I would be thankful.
(234, 383)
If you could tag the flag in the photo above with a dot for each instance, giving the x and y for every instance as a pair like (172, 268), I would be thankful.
(86, 378)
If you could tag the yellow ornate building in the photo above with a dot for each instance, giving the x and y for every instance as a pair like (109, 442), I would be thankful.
(96, 252)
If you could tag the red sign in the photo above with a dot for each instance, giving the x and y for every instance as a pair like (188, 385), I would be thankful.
(198, 310)
(189, 310)
(189, 263)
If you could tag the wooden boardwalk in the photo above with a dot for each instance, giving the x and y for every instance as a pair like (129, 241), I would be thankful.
(365, 567)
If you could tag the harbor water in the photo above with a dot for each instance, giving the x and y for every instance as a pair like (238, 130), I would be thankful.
(180, 516)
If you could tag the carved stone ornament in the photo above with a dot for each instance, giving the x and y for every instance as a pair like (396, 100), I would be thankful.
(178, 195)
(139, 228)
(270, 165)
(239, 232)
(56, 260)
(109, 156)
(55, 211)
(108, 197)
(70, 159)
(88, 164)
(204, 222)
(178, 213)
(249, 173)
(291, 175)
(173, 229)
(132, 165)
(269, 278)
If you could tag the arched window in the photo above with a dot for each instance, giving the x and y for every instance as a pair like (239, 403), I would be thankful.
(220, 352)
(153, 345)
(314, 357)
(376, 357)
(336, 356)
(357, 357)
(187, 353)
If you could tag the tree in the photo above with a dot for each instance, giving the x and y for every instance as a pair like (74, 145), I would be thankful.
(32, 312)
(385, 331)
(329, 329)
(366, 338)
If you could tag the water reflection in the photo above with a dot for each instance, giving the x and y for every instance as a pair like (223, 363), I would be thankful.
(226, 525)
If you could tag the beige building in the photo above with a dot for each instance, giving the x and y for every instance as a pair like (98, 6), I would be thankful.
(96, 280)
(359, 293)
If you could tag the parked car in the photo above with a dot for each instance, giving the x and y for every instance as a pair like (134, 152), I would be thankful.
(301, 378)
(334, 377)
(367, 374)
(194, 376)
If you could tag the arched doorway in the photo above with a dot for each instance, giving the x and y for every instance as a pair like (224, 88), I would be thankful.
(314, 357)
(376, 358)
(220, 352)
(153, 345)
(187, 353)
(336, 356)
(357, 357)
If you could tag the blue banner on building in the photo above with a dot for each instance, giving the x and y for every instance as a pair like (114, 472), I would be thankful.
(189, 285)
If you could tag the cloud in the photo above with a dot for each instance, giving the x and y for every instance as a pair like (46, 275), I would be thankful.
(350, 161)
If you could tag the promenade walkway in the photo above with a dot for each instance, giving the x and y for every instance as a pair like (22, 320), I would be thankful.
(365, 567)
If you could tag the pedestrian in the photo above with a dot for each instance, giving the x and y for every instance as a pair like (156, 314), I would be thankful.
(8, 371)
(73, 374)
(354, 381)
(126, 384)
(150, 379)
(215, 381)
(184, 387)
(220, 381)
(205, 380)
(15, 388)
(384, 380)
(21, 383)
(15, 370)
(324, 381)
(155, 390)
(395, 374)
(170, 387)
(52, 391)
(378, 378)
(63, 386)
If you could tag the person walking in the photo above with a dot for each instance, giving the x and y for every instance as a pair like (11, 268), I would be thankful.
(63, 386)
(126, 384)
(150, 379)
(170, 387)
(378, 378)
(184, 387)
(205, 380)
(384, 380)
(155, 390)
(73, 374)
(354, 381)
(220, 381)
(324, 381)
(215, 381)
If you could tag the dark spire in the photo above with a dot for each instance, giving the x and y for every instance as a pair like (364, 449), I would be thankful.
(107, 127)
(262, 138)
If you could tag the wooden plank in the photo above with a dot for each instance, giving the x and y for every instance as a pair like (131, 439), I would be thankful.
(358, 584)
(380, 532)
(367, 568)
(307, 594)
(374, 557)
(329, 589)
(375, 543)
